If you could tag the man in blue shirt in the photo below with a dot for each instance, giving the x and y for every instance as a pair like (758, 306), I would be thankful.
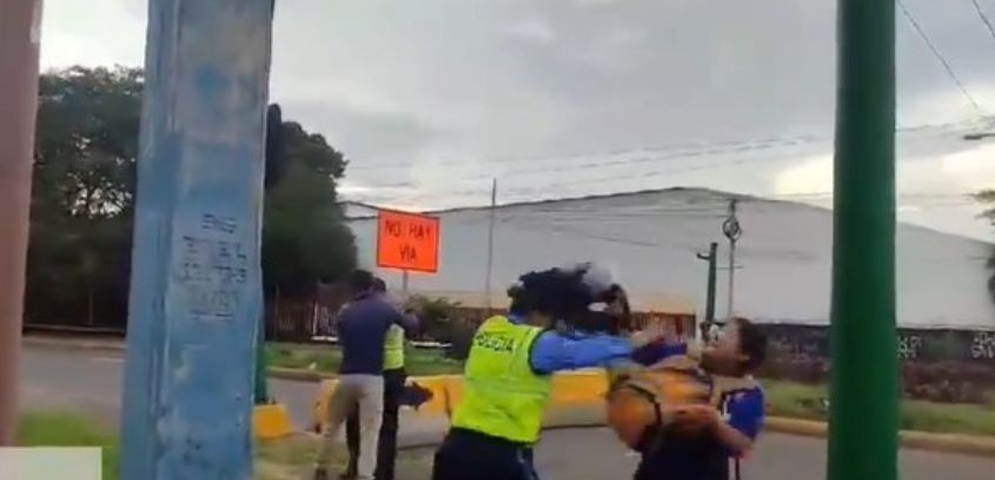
(362, 330)
(394, 379)
(731, 360)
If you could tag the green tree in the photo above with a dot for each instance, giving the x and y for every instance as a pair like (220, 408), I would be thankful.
(83, 192)
(305, 240)
(84, 175)
(987, 197)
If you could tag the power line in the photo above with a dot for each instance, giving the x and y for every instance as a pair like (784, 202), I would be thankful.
(650, 160)
(670, 151)
(984, 18)
(726, 146)
(943, 61)
(682, 150)
(596, 165)
(701, 206)
(597, 180)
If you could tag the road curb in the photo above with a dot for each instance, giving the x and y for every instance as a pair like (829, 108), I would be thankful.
(32, 341)
(972, 445)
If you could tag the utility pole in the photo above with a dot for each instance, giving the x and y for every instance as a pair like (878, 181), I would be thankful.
(732, 230)
(711, 258)
(274, 169)
(490, 244)
(863, 425)
(20, 30)
(196, 298)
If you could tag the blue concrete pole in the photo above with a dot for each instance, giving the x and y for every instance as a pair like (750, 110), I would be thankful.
(196, 283)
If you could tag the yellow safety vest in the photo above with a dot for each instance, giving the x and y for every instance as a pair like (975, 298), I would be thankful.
(502, 396)
(393, 353)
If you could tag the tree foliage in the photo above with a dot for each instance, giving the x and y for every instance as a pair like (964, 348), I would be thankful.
(82, 205)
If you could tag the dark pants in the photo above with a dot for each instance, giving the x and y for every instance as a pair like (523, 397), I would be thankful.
(466, 455)
(393, 389)
(675, 456)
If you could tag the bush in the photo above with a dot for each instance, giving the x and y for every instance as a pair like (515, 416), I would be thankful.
(435, 316)
(460, 340)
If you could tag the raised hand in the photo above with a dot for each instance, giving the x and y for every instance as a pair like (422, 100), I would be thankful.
(653, 333)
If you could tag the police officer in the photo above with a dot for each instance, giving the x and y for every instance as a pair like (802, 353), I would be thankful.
(394, 378)
(508, 374)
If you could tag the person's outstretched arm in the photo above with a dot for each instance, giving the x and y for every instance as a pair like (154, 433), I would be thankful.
(405, 317)
(554, 351)
(658, 351)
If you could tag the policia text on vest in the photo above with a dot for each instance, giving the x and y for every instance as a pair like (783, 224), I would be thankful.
(503, 396)
(500, 416)
(506, 387)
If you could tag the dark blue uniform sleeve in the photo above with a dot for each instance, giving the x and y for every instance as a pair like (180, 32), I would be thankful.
(554, 351)
(744, 411)
(653, 353)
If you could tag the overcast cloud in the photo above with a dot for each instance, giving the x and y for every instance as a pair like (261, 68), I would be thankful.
(576, 97)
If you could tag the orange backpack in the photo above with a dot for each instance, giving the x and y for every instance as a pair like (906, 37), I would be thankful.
(636, 397)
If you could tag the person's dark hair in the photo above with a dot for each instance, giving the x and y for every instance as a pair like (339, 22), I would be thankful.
(379, 286)
(752, 343)
(616, 295)
(555, 292)
(360, 281)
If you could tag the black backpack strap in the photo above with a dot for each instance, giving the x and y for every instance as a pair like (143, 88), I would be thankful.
(650, 437)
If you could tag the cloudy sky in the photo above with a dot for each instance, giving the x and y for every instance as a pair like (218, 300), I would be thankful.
(431, 99)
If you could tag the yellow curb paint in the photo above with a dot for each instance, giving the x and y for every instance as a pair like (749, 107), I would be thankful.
(792, 426)
(271, 422)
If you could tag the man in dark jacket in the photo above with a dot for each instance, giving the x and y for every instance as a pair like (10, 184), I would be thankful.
(362, 327)
(394, 377)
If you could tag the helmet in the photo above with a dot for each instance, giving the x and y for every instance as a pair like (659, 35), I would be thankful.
(584, 296)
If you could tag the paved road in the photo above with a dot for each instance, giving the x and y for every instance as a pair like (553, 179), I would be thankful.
(595, 454)
(92, 382)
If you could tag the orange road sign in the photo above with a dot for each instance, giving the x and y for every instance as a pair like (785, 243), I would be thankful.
(408, 241)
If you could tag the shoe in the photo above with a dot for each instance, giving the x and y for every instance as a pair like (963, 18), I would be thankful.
(321, 474)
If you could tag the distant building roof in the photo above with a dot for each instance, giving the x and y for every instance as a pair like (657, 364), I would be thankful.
(784, 259)
(356, 210)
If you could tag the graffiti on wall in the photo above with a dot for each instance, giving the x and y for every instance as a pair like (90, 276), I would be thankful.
(913, 344)
(983, 346)
(937, 365)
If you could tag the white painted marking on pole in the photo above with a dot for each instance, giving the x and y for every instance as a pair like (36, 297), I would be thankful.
(35, 33)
